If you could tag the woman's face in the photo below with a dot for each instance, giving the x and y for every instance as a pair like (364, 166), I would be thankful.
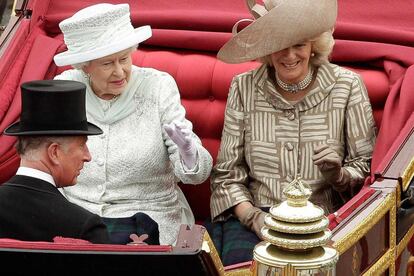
(291, 64)
(110, 75)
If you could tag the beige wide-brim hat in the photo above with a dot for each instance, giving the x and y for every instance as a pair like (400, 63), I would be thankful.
(279, 24)
(98, 31)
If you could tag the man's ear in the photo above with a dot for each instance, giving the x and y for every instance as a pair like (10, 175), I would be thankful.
(53, 153)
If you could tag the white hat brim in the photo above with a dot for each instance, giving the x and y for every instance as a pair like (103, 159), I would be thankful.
(67, 58)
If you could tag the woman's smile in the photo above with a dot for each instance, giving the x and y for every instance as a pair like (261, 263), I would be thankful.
(290, 65)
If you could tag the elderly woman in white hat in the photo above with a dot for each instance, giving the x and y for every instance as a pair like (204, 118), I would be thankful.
(295, 115)
(147, 145)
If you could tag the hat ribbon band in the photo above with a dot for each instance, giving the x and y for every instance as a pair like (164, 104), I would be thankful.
(89, 38)
(235, 26)
(255, 9)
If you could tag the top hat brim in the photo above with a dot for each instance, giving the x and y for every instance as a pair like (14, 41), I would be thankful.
(289, 23)
(16, 130)
(69, 58)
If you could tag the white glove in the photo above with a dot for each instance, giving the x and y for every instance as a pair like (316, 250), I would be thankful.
(181, 136)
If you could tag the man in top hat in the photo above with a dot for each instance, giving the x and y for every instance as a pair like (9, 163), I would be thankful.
(52, 135)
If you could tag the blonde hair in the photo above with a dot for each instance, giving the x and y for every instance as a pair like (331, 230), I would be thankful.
(321, 47)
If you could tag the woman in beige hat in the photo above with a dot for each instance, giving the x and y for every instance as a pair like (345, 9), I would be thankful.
(147, 144)
(295, 115)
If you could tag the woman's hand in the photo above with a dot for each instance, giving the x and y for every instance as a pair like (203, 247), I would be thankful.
(330, 165)
(181, 136)
(251, 217)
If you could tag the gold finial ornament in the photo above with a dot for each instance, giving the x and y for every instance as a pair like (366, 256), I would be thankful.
(295, 234)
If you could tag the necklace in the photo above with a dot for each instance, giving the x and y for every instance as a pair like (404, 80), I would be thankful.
(296, 87)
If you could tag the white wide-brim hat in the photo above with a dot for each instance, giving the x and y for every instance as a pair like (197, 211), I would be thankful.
(98, 31)
(279, 24)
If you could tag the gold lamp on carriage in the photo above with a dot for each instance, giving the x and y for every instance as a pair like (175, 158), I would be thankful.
(295, 236)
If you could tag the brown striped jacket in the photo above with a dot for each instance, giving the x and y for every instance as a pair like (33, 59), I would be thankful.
(267, 141)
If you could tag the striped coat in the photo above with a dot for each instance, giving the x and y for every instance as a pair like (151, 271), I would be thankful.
(267, 141)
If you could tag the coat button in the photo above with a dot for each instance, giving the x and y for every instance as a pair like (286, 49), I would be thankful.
(289, 146)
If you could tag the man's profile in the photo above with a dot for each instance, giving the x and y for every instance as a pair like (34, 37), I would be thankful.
(52, 134)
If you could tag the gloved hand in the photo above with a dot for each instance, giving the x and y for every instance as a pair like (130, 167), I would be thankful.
(137, 240)
(181, 136)
(253, 218)
(330, 165)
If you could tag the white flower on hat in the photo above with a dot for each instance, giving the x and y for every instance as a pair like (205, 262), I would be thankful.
(98, 31)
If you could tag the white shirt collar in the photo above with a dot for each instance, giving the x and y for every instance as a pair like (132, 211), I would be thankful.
(36, 174)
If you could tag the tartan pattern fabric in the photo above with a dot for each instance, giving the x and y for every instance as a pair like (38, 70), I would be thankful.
(267, 141)
(119, 229)
(234, 242)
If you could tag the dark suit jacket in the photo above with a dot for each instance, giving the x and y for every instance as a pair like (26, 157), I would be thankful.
(34, 210)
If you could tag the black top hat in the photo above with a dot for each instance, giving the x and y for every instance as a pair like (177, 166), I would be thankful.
(53, 107)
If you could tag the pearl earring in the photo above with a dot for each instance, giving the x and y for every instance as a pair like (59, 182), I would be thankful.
(312, 54)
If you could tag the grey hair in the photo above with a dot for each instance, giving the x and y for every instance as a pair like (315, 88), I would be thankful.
(29, 147)
(322, 47)
(81, 65)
